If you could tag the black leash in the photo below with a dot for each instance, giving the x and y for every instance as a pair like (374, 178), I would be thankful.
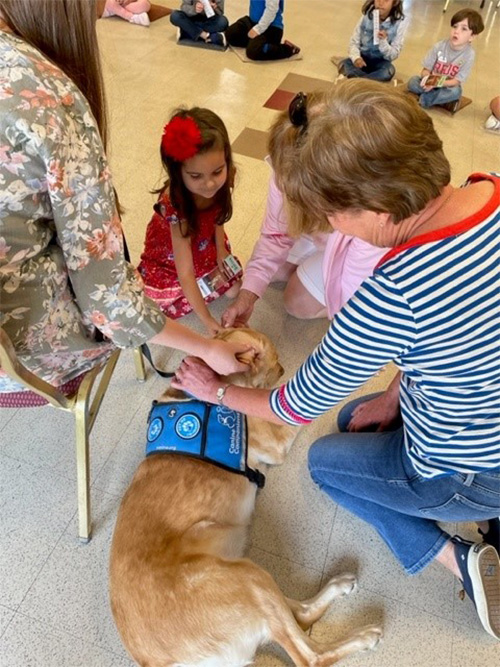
(144, 348)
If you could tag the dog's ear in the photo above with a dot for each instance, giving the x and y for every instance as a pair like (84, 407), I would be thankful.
(264, 370)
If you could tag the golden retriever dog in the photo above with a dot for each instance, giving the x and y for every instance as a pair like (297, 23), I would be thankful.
(181, 592)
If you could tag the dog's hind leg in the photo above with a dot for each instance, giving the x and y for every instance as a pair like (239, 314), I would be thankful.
(283, 618)
(307, 612)
(363, 640)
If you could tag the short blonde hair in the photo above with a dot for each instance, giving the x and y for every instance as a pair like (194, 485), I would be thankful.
(367, 146)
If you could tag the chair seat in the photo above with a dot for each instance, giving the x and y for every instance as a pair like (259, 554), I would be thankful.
(29, 399)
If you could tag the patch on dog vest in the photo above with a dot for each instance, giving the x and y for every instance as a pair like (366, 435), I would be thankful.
(212, 433)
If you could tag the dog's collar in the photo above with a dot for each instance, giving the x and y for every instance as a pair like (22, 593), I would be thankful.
(212, 433)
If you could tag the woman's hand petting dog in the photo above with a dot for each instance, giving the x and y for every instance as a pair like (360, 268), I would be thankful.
(196, 378)
(217, 357)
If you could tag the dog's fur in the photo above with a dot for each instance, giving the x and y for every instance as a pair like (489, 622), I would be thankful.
(181, 592)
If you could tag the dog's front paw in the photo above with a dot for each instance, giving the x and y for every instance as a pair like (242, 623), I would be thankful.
(343, 584)
(370, 637)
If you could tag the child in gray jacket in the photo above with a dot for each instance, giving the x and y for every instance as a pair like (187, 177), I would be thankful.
(201, 20)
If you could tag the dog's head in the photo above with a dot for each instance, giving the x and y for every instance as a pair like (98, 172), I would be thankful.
(264, 369)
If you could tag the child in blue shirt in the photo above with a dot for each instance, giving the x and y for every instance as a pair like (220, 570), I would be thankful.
(261, 32)
(370, 54)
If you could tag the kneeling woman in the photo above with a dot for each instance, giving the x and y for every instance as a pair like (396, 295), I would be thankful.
(368, 160)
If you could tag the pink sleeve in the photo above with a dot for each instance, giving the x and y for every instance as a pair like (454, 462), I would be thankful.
(347, 262)
(272, 247)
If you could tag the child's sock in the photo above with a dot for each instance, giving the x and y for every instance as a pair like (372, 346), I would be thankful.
(140, 19)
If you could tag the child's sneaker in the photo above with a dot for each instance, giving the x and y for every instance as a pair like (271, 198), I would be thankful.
(217, 38)
(479, 566)
(492, 124)
(140, 19)
(452, 107)
(337, 60)
(293, 49)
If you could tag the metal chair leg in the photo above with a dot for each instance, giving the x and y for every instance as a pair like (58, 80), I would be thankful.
(140, 370)
(85, 413)
(83, 466)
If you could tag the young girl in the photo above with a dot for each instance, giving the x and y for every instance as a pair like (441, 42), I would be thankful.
(185, 240)
(371, 51)
(134, 11)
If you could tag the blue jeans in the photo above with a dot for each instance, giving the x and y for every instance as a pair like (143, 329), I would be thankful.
(371, 475)
(193, 26)
(434, 96)
(378, 69)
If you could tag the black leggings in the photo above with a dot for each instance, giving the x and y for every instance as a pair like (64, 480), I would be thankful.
(267, 46)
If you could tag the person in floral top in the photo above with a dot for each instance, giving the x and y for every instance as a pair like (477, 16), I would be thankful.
(68, 296)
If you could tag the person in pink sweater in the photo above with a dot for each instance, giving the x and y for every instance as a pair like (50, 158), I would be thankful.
(133, 11)
(334, 260)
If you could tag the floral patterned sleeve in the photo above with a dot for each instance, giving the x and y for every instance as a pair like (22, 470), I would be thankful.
(108, 290)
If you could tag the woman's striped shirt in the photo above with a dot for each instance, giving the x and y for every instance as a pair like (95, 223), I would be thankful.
(431, 307)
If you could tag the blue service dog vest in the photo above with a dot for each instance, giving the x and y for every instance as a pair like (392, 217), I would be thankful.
(212, 433)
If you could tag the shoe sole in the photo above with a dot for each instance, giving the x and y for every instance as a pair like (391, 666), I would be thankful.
(483, 565)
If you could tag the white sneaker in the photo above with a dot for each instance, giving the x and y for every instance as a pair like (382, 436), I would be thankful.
(106, 14)
(140, 19)
(492, 123)
(340, 78)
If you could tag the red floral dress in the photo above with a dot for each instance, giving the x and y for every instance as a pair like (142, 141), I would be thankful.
(157, 267)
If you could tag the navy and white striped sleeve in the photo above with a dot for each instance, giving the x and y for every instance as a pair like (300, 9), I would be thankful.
(374, 327)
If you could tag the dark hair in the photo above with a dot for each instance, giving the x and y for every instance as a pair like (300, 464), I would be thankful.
(395, 14)
(64, 31)
(474, 19)
(213, 136)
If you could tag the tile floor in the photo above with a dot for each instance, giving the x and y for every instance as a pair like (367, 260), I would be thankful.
(53, 591)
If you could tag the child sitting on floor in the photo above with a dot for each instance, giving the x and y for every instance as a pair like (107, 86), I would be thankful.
(201, 21)
(187, 259)
(261, 32)
(133, 11)
(448, 64)
(492, 123)
(376, 41)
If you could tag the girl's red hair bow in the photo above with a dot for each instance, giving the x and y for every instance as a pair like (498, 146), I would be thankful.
(181, 138)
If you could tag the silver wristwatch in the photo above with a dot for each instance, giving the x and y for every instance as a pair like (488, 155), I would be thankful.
(221, 392)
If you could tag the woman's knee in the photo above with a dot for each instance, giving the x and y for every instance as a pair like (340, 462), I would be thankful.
(323, 455)
(315, 461)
